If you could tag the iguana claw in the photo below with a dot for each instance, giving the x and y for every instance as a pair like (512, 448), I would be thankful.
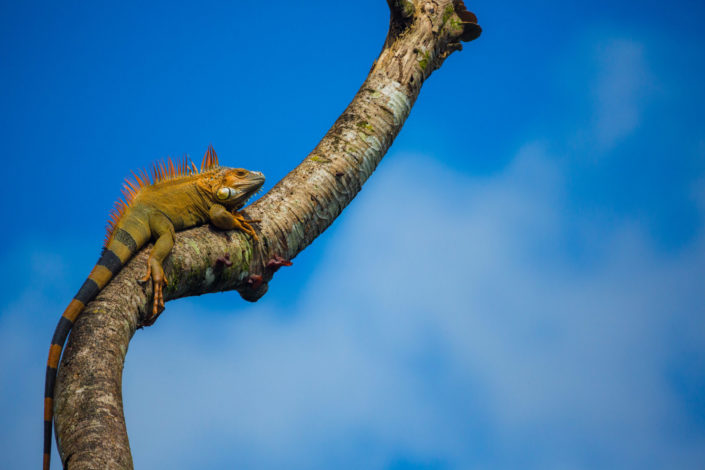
(156, 273)
(243, 224)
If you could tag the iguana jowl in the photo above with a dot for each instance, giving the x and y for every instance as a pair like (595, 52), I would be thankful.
(177, 197)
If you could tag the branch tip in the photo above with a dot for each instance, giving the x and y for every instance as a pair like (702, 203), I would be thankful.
(468, 20)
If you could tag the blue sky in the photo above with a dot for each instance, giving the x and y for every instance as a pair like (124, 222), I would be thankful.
(521, 284)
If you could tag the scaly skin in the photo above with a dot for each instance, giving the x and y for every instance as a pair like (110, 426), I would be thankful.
(179, 198)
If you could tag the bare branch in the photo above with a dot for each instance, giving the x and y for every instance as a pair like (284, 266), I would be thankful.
(88, 401)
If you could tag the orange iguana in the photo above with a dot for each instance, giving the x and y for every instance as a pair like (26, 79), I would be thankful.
(176, 198)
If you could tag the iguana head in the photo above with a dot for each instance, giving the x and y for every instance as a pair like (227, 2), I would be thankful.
(233, 187)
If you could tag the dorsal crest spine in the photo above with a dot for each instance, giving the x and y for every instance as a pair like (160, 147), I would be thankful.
(210, 159)
(164, 170)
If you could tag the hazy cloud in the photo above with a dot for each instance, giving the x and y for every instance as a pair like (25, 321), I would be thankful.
(620, 90)
(428, 325)
(447, 324)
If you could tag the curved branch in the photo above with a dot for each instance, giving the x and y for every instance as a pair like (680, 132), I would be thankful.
(90, 425)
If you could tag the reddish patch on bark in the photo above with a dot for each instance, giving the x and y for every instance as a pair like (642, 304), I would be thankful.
(254, 281)
(223, 260)
(277, 262)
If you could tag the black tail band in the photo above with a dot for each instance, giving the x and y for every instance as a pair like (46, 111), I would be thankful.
(50, 382)
(111, 261)
(62, 331)
(126, 239)
(88, 291)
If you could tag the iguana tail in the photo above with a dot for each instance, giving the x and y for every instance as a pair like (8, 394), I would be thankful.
(120, 248)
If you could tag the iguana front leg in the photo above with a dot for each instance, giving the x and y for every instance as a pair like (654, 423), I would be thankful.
(221, 218)
(163, 230)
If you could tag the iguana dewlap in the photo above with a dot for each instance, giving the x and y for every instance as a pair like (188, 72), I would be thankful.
(177, 197)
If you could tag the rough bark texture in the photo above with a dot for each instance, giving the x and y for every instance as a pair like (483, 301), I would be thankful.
(90, 425)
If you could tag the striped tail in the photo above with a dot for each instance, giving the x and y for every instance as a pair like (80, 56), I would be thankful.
(119, 250)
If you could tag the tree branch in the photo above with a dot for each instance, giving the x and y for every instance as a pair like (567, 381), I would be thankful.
(90, 425)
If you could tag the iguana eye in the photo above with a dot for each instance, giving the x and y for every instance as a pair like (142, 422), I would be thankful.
(241, 173)
(223, 193)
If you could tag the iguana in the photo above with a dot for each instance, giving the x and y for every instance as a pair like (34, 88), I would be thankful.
(177, 197)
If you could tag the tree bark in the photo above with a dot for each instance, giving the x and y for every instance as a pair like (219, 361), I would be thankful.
(90, 426)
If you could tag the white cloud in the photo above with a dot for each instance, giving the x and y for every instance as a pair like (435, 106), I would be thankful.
(447, 322)
(445, 311)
